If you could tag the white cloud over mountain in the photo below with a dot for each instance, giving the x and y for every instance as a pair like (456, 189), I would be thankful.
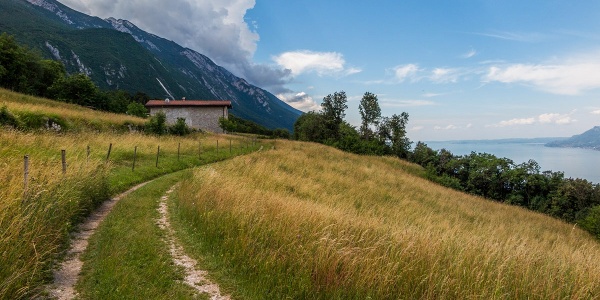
(322, 63)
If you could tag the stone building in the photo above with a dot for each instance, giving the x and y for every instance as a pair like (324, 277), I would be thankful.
(198, 114)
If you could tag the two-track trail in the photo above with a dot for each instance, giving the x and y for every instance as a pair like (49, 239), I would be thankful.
(66, 276)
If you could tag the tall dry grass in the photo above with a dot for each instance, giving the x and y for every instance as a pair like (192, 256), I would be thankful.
(35, 221)
(81, 118)
(307, 221)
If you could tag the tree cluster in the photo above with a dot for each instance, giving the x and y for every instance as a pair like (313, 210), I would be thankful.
(239, 125)
(377, 135)
(24, 71)
(500, 179)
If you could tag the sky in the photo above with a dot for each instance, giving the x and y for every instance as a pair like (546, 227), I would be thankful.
(462, 69)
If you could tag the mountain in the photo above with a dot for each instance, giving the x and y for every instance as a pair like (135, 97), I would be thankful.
(116, 54)
(589, 140)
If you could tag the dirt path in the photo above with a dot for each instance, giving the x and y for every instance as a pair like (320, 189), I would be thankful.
(66, 277)
(193, 277)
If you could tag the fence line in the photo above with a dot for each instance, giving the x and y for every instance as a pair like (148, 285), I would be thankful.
(64, 164)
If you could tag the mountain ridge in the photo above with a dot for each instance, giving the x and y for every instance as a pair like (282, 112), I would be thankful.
(587, 140)
(117, 54)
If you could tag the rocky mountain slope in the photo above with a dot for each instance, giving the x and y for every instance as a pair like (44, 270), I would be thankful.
(118, 55)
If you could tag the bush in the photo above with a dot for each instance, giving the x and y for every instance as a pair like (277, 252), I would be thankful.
(591, 222)
(180, 128)
(8, 119)
(157, 124)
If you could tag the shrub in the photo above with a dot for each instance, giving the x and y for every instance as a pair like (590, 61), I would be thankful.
(157, 124)
(8, 119)
(180, 128)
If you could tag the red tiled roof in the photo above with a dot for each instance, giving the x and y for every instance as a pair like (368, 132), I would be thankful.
(184, 103)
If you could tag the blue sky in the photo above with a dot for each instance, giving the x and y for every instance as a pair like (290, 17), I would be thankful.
(461, 69)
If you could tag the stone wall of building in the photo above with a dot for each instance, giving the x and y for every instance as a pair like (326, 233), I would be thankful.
(199, 117)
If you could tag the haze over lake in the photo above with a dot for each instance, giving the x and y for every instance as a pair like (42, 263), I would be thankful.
(574, 162)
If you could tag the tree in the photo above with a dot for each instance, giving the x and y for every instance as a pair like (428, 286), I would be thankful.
(334, 110)
(19, 67)
(77, 89)
(310, 127)
(392, 131)
(423, 155)
(137, 109)
(370, 113)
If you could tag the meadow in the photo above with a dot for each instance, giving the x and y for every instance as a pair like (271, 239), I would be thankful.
(38, 214)
(309, 222)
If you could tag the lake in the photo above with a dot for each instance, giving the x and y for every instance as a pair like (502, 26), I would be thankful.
(574, 162)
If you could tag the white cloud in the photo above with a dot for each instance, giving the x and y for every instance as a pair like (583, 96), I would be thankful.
(301, 101)
(323, 63)
(556, 119)
(530, 37)
(548, 118)
(570, 77)
(513, 122)
(405, 103)
(404, 72)
(595, 112)
(449, 127)
(444, 75)
(417, 128)
(469, 54)
(431, 95)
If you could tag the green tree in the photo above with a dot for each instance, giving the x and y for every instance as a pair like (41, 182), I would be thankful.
(370, 113)
(392, 131)
(423, 155)
(281, 133)
(310, 127)
(19, 67)
(137, 109)
(77, 89)
(333, 109)
(591, 222)
(52, 71)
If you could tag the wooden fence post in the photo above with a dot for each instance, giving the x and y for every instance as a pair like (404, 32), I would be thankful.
(87, 159)
(134, 157)
(199, 150)
(230, 147)
(178, 150)
(26, 172)
(217, 146)
(109, 149)
(63, 155)
(157, 153)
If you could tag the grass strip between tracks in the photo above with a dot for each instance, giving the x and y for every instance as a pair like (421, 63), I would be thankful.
(127, 258)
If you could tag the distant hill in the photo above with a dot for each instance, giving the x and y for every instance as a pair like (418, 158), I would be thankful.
(118, 55)
(588, 140)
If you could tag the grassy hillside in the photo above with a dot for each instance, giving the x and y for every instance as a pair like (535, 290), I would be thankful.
(306, 221)
(37, 216)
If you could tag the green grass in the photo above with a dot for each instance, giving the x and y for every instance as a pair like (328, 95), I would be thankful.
(127, 258)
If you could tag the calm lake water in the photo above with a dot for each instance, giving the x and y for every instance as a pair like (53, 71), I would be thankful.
(574, 162)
